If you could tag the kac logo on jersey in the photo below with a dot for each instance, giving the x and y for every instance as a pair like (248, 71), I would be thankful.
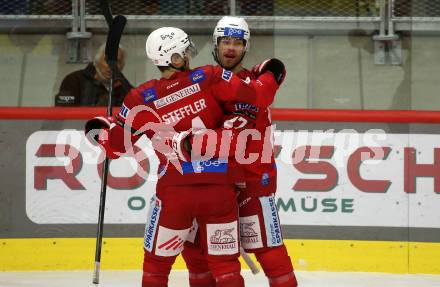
(149, 95)
(234, 32)
(226, 75)
(123, 112)
(197, 76)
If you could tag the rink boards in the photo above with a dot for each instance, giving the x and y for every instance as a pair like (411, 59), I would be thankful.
(376, 213)
(307, 255)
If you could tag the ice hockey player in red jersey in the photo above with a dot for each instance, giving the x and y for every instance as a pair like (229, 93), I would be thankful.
(200, 190)
(260, 229)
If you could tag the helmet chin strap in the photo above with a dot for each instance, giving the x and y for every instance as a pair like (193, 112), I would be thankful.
(214, 54)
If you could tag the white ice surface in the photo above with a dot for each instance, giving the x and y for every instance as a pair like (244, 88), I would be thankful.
(180, 279)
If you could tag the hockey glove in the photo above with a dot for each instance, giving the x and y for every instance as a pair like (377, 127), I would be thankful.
(181, 144)
(275, 66)
(98, 132)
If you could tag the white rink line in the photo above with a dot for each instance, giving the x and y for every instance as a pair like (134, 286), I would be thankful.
(179, 278)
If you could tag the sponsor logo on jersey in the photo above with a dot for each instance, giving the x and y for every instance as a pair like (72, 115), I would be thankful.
(222, 238)
(234, 32)
(169, 242)
(197, 76)
(248, 231)
(250, 235)
(172, 243)
(149, 95)
(152, 222)
(123, 112)
(199, 166)
(271, 221)
(247, 107)
(265, 179)
(172, 85)
(176, 96)
(226, 75)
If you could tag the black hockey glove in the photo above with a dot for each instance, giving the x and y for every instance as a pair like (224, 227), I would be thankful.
(275, 66)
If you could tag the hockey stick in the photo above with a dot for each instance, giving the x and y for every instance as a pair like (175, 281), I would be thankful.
(249, 262)
(111, 56)
(106, 11)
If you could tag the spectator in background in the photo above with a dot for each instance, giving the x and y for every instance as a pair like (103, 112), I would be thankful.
(89, 87)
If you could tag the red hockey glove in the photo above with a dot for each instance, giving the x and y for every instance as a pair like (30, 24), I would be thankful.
(98, 132)
(181, 145)
(275, 66)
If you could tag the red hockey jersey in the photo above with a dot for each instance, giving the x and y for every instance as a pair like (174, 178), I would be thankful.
(250, 144)
(260, 174)
(191, 99)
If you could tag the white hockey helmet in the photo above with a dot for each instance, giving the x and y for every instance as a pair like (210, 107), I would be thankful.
(164, 42)
(230, 26)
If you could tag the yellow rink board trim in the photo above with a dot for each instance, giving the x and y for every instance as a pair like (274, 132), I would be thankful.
(311, 255)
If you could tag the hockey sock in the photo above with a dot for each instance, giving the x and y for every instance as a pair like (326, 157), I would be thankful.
(277, 266)
(227, 273)
(156, 270)
(286, 280)
(201, 279)
(154, 280)
(229, 280)
(197, 264)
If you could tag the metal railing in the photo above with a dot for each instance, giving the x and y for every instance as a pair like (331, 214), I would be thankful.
(415, 15)
(290, 16)
(37, 8)
(196, 15)
(282, 16)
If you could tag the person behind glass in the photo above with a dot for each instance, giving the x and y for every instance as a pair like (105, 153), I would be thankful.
(90, 86)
